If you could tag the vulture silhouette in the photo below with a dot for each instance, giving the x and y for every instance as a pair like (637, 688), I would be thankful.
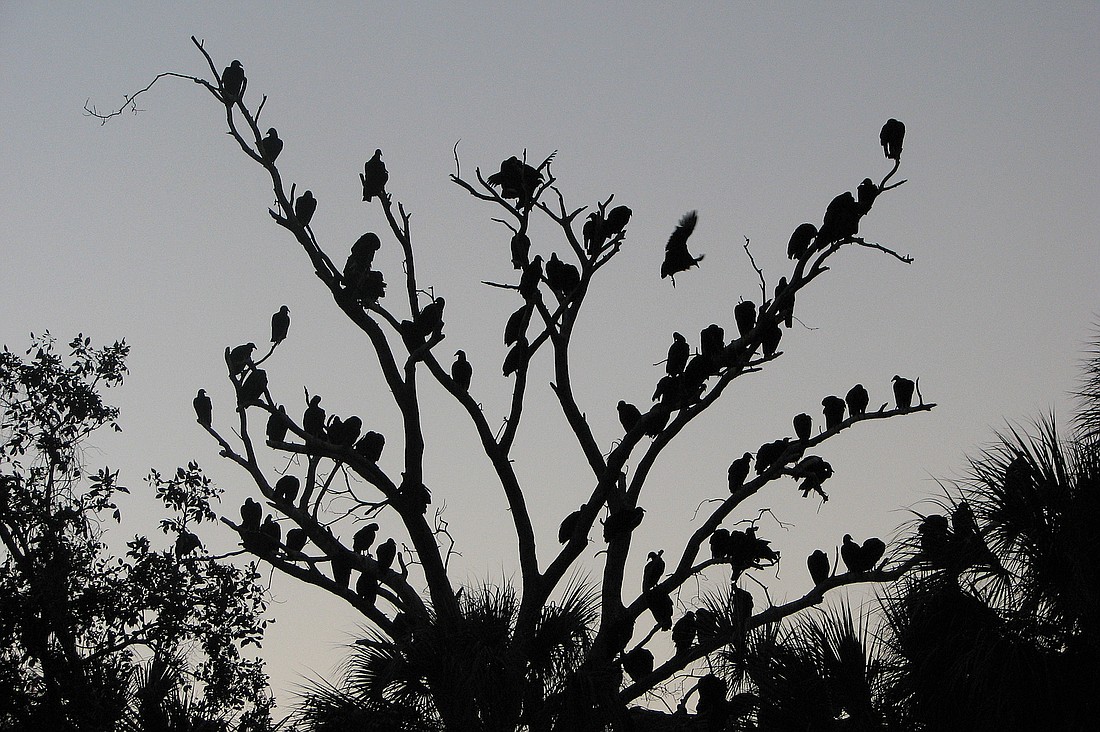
(278, 424)
(280, 325)
(677, 257)
(516, 327)
(521, 248)
(516, 179)
(803, 426)
(903, 392)
(254, 386)
(745, 315)
(857, 400)
(801, 241)
(568, 526)
(683, 632)
(678, 354)
(841, 220)
(270, 146)
(239, 358)
(305, 207)
(653, 571)
(204, 409)
(251, 512)
(617, 219)
(638, 663)
(386, 553)
(287, 487)
(313, 421)
(629, 415)
(363, 539)
(891, 137)
(461, 371)
(370, 446)
(818, 564)
(233, 82)
(374, 177)
(739, 471)
(834, 411)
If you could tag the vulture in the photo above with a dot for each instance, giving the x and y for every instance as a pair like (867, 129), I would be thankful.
(661, 606)
(374, 177)
(617, 219)
(280, 324)
(277, 425)
(186, 543)
(739, 471)
(250, 515)
(313, 421)
(363, 539)
(629, 415)
(594, 233)
(254, 386)
(770, 453)
(658, 418)
(638, 663)
(861, 558)
(834, 411)
(677, 257)
(562, 277)
(529, 280)
(204, 409)
(903, 392)
(287, 487)
(866, 194)
(770, 338)
(935, 539)
(234, 82)
(678, 354)
(305, 207)
(891, 136)
(516, 327)
(801, 239)
(341, 570)
(344, 432)
(745, 315)
(461, 371)
(272, 534)
(521, 247)
(712, 701)
(803, 426)
(568, 526)
(784, 302)
(857, 399)
(296, 540)
(712, 340)
(386, 553)
(430, 321)
(270, 146)
(239, 358)
(683, 632)
(841, 220)
(719, 543)
(653, 571)
(818, 564)
(370, 446)
(516, 179)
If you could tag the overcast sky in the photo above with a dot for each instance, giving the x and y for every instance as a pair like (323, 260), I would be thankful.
(154, 228)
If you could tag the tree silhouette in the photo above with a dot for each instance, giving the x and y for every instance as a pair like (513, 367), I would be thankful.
(1000, 626)
(482, 658)
(75, 621)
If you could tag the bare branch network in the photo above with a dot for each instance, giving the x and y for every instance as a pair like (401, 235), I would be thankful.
(345, 486)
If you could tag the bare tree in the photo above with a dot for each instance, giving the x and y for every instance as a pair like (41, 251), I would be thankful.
(410, 601)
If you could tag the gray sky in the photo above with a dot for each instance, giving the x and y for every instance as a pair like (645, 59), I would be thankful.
(154, 228)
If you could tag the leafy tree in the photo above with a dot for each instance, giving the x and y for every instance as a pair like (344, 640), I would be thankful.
(79, 627)
(1000, 627)
(550, 664)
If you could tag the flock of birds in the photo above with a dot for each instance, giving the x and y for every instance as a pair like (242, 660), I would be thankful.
(683, 383)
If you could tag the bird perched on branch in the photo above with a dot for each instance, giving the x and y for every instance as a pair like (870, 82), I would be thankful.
(530, 278)
(638, 663)
(251, 512)
(745, 315)
(186, 542)
(803, 426)
(903, 391)
(568, 526)
(653, 571)
(712, 340)
(619, 523)
(677, 257)
(770, 453)
(562, 277)
(841, 220)
(254, 386)
(739, 471)
(678, 354)
(305, 207)
(594, 233)
(861, 558)
(374, 177)
(520, 248)
(800, 242)
(370, 446)
(270, 146)
(516, 327)
(857, 399)
(818, 564)
(834, 411)
(683, 632)
(233, 82)
(461, 371)
(286, 488)
(278, 425)
(516, 358)
(784, 302)
(891, 137)
(313, 421)
(629, 415)
(280, 325)
(363, 538)
(296, 540)
(866, 193)
(204, 408)
(386, 553)
(617, 219)
(239, 358)
(770, 338)
(430, 321)
(516, 179)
